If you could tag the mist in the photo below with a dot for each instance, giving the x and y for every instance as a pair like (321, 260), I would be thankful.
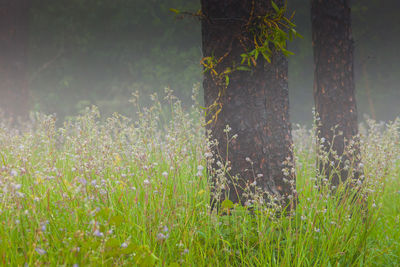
(82, 53)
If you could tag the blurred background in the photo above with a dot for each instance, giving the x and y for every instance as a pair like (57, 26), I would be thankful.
(84, 52)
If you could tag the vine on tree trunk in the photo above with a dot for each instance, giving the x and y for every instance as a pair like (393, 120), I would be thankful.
(264, 34)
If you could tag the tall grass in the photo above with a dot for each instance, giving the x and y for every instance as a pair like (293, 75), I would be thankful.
(123, 192)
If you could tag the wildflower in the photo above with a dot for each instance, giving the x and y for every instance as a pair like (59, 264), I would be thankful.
(373, 205)
(317, 230)
(17, 186)
(146, 182)
(185, 251)
(200, 168)
(247, 203)
(124, 245)
(40, 251)
(83, 181)
(303, 218)
(165, 174)
(13, 172)
(98, 233)
(161, 236)
(208, 155)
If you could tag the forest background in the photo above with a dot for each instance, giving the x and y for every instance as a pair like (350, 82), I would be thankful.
(84, 52)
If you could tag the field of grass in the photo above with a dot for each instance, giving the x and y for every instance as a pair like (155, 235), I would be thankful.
(134, 192)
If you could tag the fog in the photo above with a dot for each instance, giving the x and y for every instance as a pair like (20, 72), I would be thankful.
(81, 53)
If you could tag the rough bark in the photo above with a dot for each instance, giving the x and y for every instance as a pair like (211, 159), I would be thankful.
(334, 90)
(255, 104)
(14, 91)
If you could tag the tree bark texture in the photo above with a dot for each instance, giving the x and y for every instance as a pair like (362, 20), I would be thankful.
(255, 103)
(334, 89)
(14, 23)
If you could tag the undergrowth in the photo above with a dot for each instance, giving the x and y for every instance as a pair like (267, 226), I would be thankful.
(136, 192)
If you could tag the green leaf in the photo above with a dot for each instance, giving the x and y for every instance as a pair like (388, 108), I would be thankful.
(243, 68)
(227, 204)
(176, 11)
(116, 220)
(275, 7)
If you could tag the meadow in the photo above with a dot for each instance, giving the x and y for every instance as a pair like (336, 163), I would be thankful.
(135, 192)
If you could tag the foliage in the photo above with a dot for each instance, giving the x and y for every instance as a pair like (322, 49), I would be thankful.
(262, 35)
(123, 192)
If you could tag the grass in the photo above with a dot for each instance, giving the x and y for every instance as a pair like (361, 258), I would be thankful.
(124, 192)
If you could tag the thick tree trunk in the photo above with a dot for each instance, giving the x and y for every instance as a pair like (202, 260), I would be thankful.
(255, 103)
(334, 90)
(14, 93)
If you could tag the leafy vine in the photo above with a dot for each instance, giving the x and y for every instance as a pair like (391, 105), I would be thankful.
(268, 33)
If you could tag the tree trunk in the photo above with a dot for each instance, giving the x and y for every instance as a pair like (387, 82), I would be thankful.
(334, 90)
(255, 104)
(14, 93)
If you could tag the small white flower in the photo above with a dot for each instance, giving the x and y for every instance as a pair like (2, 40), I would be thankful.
(303, 218)
(17, 186)
(146, 182)
(200, 168)
(165, 174)
(374, 205)
(13, 172)
(317, 230)
(124, 245)
(208, 155)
